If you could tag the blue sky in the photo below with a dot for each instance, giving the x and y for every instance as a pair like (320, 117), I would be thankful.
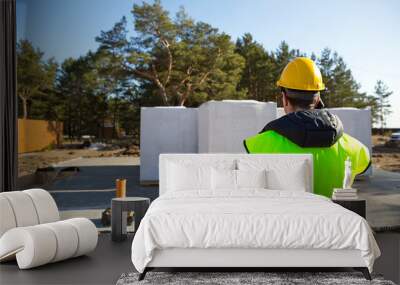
(365, 33)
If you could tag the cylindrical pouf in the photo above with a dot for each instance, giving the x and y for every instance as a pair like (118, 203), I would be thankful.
(7, 218)
(67, 240)
(45, 205)
(23, 208)
(87, 235)
(37, 245)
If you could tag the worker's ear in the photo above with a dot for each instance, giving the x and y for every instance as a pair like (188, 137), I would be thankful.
(285, 101)
(317, 101)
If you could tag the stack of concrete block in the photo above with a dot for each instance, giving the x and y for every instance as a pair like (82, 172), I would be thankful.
(221, 127)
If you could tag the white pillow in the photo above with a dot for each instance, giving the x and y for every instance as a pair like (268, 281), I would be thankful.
(294, 178)
(251, 178)
(188, 177)
(223, 179)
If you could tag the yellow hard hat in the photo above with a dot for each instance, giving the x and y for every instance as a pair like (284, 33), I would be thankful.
(301, 74)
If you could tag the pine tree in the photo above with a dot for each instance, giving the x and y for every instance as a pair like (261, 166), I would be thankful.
(382, 106)
(111, 60)
(34, 74)
(257, 78)
(184, 61)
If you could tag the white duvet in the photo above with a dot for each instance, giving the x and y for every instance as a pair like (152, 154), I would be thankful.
(250, 219)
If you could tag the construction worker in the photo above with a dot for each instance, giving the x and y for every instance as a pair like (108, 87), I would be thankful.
(308, 128)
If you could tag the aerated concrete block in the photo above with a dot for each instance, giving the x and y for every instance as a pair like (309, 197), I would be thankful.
(280, 112)
(223, 125)
(358, 124)
(165, 130)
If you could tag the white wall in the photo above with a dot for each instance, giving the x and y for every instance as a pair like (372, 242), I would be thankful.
(165, 130)
(223, 125)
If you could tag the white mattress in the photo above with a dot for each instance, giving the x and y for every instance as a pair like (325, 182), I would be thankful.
(257, 219)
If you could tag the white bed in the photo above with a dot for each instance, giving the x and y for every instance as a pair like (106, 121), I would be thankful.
(201, 223)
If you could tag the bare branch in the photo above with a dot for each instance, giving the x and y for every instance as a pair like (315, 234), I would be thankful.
(153, 76)
(142, 74)
(186, 94)
(169, 63)
(166, 44)
(161, 87)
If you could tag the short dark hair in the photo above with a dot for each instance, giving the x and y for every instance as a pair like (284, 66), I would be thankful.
(300, 102)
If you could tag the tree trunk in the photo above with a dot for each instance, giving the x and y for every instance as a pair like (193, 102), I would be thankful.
(185, 95)
(59, 128)
(163, 94)
(69, 121)
(24, 106)
(114, 127)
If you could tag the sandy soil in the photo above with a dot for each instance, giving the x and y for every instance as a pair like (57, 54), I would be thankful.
(29, 162)
(383, 156)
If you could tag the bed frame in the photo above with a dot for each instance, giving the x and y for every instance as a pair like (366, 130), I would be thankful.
(248, 259)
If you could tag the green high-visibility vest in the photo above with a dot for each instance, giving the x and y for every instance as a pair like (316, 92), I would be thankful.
(328, 161)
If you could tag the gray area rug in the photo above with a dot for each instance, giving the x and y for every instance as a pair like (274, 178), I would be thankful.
(228, 278)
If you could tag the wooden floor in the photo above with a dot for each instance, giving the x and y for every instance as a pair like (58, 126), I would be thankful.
(110, 259)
